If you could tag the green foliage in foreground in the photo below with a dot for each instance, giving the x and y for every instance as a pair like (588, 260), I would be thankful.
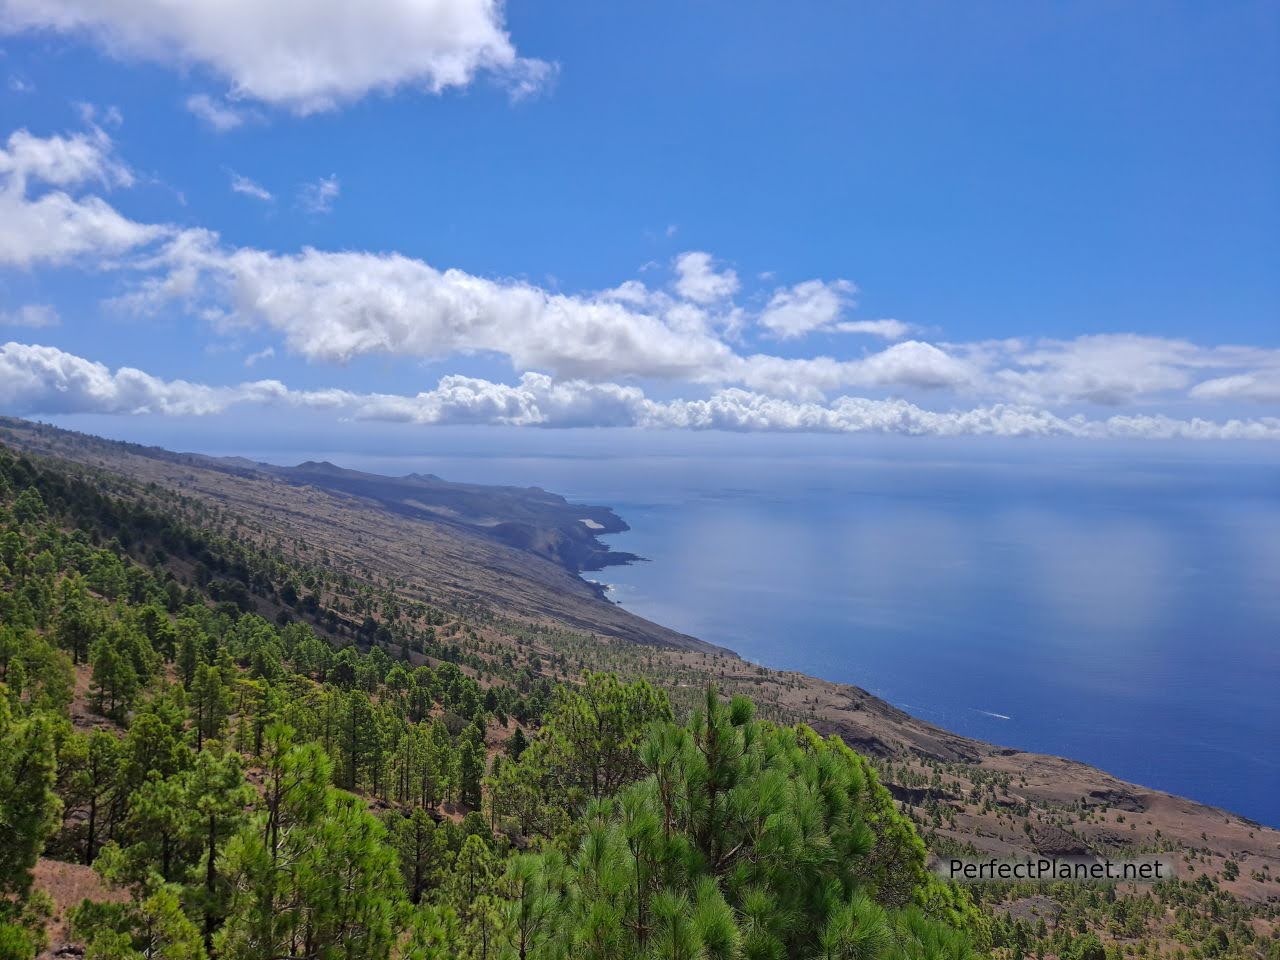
(227, 784)
(741, 840)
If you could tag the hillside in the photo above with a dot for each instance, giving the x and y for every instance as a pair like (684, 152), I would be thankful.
(425, 552)
(514, 550)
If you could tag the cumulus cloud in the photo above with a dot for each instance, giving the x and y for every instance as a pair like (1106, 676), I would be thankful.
(536, 400)
(53, 226)
(1107, 370)
(242, 184)
(806, 307)
(47, 380)
(34, 315)
(911, 364)
(303, 55)
(336, 306)
(40, 379)
(318, 195)
(220, 116)
(62, 161)
(36, 379)
(698, 279)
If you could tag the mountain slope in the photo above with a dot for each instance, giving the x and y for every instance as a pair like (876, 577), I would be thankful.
(515, 550)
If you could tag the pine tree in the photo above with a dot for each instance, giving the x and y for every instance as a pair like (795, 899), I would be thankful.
(160, 633)
(532, 890)
(217, 798)
(90, 764)
(517, 744)
(29, 808)
(209, 702)
(114, 681)
(190, 649)
(471, 758)
(28, 814)
(151, 850)
(356, 736)
(746, 839)
(421, 848)
(154, 745)
(312, 874)
(153, 928)
(77, 628)
(593, 735)
(435, 933)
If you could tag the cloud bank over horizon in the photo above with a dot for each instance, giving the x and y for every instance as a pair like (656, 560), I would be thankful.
(39, 379)
(696, 351)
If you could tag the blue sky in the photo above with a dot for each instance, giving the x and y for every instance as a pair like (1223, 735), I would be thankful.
(911, 218)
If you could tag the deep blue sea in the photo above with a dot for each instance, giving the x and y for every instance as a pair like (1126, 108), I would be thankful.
(1125, 615)
(1116, 605)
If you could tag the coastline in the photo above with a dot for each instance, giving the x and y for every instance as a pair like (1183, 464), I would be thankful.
(991, 794)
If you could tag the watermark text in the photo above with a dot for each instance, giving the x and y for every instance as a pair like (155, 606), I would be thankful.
(1047, 869)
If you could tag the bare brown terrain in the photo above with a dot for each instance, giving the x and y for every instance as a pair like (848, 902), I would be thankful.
(68, 885)
(967, 796)
(521, 565)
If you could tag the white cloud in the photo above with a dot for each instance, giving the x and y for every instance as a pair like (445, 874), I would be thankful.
(318, 195)
(242, 184)
(304, 55)
(34, 315)
(806, 307)
(1107, 370)
(888, 329)
(336, 306)
(697, 278)
(1103, 369)
(220, 116)
(47, 380)
(39, 379)
(258, 356)
(536, 400)
(1259, 386)
(526, 79)
(62, 161)
(90, 114)
(55, 227)
(36, 379)
(911, 364)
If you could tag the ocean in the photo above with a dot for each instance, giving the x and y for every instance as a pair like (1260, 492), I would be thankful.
(1123, 612)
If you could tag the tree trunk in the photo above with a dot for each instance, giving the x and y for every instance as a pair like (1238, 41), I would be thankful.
(92, 829)
(210, 884)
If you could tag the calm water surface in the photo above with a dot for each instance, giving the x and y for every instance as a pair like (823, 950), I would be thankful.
(1122, 613)
(1127, 617)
